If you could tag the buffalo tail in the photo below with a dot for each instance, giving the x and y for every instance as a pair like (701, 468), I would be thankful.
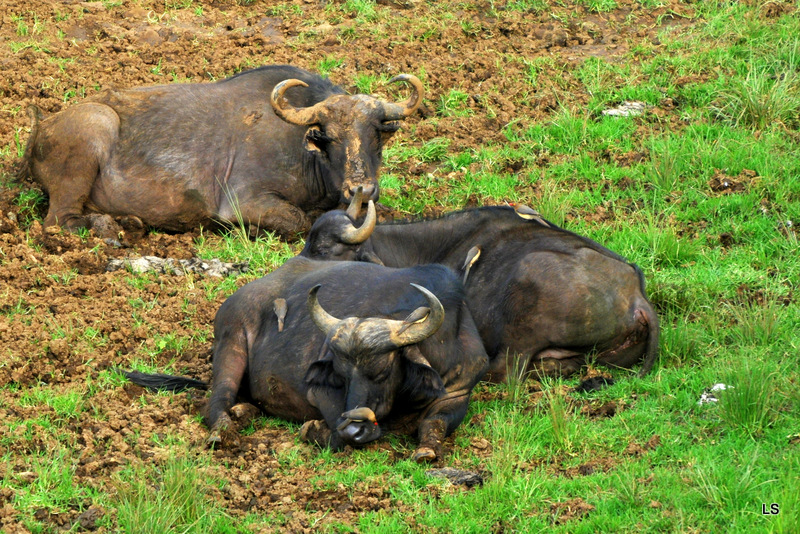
(35, 115)
(162, 382)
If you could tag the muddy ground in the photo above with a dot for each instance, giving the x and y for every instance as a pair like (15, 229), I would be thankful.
(64, 319)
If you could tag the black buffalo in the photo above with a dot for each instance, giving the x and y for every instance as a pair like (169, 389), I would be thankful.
(351, 348)
(545, 299)
(263, 148)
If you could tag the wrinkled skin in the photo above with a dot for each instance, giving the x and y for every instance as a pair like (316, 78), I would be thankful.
(180, 155)
(334, 380)
(545, 300)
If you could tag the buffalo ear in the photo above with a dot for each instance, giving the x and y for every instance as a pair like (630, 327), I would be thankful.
(422, 382)
(387, 130)
(369, 257)
(320, 373)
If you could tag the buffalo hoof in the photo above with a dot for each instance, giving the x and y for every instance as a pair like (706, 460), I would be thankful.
(244, 413)
(316, 432)
(216, 437)
(424, 454)
(106, 228)
(133, 227)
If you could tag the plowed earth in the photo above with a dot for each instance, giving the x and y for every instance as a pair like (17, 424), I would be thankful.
(64, 319)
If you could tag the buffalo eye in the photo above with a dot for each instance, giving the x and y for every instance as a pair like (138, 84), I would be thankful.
(383, 374)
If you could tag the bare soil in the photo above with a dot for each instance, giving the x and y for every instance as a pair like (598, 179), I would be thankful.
(64, 319)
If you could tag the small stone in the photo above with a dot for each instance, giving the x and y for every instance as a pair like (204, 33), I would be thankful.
(626, 109)
(457, 477)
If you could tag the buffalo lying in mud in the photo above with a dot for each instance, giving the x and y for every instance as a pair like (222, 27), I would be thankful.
(545, 299)
(262, 147)
(308, 343)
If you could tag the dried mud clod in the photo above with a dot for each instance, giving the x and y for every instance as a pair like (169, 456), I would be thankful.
(724, 184)
(635, 449)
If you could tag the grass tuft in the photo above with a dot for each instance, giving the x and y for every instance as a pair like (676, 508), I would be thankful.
(557, 414)
(761, 100)
(748, 405)
(30, 203)
(756, 324)
(171, 498)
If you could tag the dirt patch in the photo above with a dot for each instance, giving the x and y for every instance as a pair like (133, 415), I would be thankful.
(723, 184)
(635, 449)
(563, 512)
(64, 319)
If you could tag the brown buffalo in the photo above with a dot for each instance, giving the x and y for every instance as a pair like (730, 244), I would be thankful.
(263, 148)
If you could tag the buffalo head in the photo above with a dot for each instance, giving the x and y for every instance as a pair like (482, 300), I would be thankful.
(335, 236)
(347, 132)
(375, 361)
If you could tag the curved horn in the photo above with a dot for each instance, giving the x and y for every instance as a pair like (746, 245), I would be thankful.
(324, 320)
(289, 113)
(355, 203)
(404, 333)
(356, 236)
(400, 111)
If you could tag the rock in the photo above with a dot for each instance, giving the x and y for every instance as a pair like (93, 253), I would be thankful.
(88, 519)
(143, 264)
(708, 396)
(149, 37)
(457, 476)
(594, 383)
(627, 109)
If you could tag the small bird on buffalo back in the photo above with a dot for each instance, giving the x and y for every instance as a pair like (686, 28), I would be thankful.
(472, 256)
(526, 212)
(280, 311)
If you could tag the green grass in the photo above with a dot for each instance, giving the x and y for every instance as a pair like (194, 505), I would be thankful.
(328, 64)
(170, 498)
(715, 464)
(722, 270)
(30, 204)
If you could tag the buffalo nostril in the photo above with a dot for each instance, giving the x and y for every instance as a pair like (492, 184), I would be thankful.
(360, 432)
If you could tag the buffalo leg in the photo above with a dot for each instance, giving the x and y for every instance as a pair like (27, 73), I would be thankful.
(446, 412)
(229, 367)
(442, 418)
(265, 213)
(317, 432)
(69, 152)
(555, 362)
(105, 227)
(431, 435)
